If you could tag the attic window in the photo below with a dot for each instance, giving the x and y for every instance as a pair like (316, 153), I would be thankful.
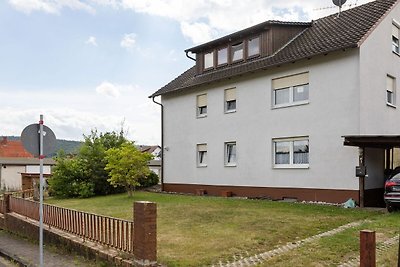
(209, 60)
(253, 46)
(237, 51)
(222, 56)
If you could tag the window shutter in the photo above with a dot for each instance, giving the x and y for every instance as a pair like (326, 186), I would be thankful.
(202, 100)
(290, 81)
(202, 147)
(230, 94)
(395, 31)
(390, 84)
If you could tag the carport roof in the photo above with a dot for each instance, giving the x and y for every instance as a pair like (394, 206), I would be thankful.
(372, 141)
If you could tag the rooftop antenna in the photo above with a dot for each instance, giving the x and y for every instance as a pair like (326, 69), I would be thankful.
(339, 3)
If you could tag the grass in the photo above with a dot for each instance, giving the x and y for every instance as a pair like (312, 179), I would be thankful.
(198, 231)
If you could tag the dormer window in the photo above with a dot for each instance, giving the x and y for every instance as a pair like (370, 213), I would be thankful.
(237, 52)
(223, 56)
(209, 60)
(253, 47)
(395, 38)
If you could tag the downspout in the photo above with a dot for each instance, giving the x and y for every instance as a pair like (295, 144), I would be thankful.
(162, 143)
(187, 55)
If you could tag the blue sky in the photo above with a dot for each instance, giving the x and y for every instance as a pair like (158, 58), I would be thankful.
(88, 64)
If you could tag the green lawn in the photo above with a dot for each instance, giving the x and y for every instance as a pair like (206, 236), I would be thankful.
(198, 231)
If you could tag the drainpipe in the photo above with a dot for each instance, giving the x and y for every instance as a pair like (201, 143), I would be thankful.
(187, 55)
(162, 143)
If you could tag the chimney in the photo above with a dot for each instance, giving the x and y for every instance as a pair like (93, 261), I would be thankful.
(4, 141)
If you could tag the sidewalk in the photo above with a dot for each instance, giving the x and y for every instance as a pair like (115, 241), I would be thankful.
(26, 253)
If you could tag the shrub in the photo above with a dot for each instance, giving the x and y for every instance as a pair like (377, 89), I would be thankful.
(149, 180)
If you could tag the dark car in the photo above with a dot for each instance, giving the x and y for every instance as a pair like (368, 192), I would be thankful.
(392, 192)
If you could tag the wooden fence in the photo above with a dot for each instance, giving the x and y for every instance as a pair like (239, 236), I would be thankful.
(113, 232)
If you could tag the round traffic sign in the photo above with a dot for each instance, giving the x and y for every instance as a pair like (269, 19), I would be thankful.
(30, 138)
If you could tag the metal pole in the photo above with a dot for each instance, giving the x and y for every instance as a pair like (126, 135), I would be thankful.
(41, 157)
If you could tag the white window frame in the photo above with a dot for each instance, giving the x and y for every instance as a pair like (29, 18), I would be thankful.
(226, 156)
(200, 150)
(259, 46)
(219, 56)
(396, 36)
(199, 107)
(233, 46)
(211, 55)
(291, 92)
(226, 101)
(391, 90)
(291, 165)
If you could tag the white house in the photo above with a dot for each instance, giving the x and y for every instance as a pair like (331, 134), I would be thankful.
(264, 111)
(18, 168)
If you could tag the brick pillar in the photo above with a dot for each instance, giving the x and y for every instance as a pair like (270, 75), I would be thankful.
(367, 248)
(6, 203)
(145, 233)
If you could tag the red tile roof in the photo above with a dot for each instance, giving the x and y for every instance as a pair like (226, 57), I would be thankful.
(323, 36)
(13, 149)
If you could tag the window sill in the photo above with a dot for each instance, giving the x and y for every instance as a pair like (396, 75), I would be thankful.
(201, 166)
(391, 105)
(299, 103)
(288, 166)
(201, 116)
(230, 111)
(230, 165)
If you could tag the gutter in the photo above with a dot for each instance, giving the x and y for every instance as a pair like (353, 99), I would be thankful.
(187, 55)
(162, 143)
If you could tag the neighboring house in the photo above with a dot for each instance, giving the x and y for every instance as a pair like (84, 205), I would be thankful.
(18, 168)
(264, 110)
(154, 150)
(155, 163)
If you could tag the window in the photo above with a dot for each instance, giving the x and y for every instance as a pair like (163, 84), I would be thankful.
(202, 155)
(291, 90)
(253, 47)
(230, 154)
(395, 39)
(230, 100)
(209, 60)
(292, 152)
(223, 56)
(390, 90)
(237, 51)
(202, 105)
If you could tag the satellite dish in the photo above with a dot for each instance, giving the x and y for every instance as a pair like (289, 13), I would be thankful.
(339, 3)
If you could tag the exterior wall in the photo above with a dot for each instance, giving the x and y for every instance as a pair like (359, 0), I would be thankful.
(11, 177)
(376, 61)
(333, 111)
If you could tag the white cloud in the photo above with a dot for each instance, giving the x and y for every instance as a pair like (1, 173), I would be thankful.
(91, 40)
(71, 117)
(202, 20)
(128, 41)
(108, 89)
(49, 6)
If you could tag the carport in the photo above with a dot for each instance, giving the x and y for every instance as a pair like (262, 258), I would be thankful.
(383, 143)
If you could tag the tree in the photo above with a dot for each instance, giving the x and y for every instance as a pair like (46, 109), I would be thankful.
(70, 178)
(93, 156)
(127, 165)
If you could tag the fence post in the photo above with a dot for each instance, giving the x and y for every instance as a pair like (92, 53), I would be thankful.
(6, 203)
(367, 248)
(145, 233)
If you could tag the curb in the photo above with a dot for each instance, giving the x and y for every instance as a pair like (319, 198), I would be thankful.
(14, 258)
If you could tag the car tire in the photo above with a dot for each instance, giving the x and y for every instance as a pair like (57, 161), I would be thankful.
(390, 208)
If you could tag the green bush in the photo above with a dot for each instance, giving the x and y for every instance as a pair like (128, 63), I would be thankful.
(149, 180)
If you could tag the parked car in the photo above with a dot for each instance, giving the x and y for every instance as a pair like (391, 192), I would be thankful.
(392, 191)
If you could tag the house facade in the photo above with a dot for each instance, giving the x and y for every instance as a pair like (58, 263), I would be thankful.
(263, 112)
(18, 168)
